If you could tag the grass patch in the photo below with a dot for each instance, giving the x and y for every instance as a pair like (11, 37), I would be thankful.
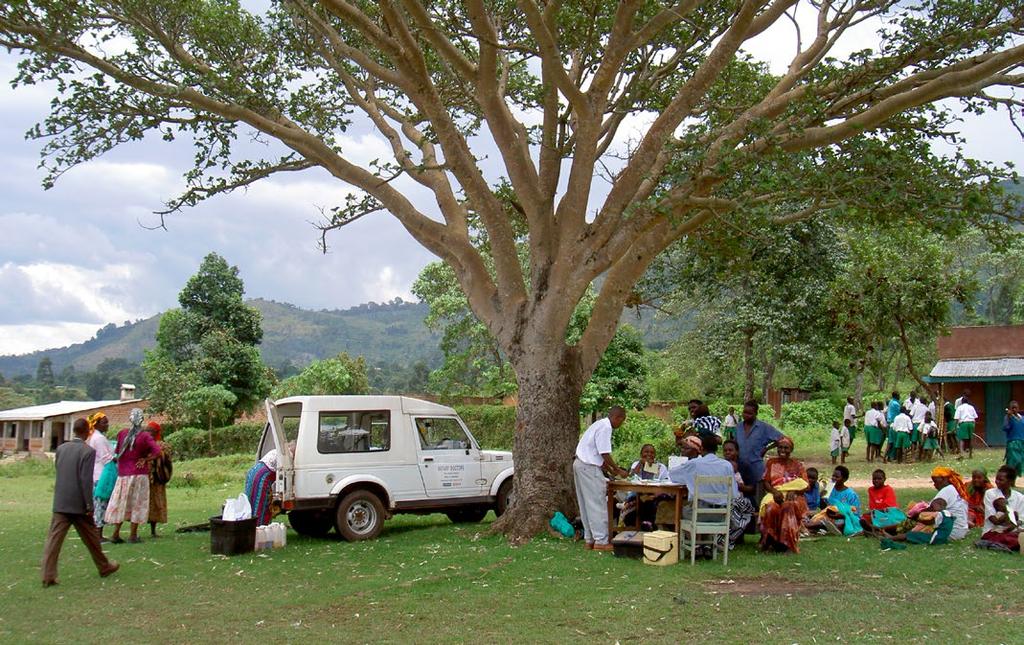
(426, 579)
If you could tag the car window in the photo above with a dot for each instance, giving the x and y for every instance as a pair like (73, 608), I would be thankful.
(354, 432)
(441, 433)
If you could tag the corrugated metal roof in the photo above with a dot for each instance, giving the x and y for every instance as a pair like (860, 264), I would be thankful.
(978, 368)
(40, 412)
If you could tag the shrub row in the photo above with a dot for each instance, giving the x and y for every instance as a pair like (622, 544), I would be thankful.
(193, 443)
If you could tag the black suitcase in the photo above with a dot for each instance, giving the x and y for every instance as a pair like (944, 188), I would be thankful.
(629, 544)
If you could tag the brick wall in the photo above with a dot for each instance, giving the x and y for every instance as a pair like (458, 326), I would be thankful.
(982, 342)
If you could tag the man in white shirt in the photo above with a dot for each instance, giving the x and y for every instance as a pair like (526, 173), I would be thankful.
(965, 416)
(951, 500)
(1001, 525)
(593, 460)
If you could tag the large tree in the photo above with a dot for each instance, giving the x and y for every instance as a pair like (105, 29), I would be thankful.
(547, 86)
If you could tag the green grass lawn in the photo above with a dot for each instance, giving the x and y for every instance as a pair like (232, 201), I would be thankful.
(428, 580)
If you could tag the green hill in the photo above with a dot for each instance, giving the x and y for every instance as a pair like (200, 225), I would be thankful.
(382, 333)
(391, 333)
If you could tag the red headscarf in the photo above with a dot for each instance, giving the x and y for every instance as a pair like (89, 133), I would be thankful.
(155, 430)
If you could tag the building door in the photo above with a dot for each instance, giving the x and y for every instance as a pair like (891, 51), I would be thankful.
(997, 395)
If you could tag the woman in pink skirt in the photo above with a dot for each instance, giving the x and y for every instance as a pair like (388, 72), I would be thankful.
(130, 499)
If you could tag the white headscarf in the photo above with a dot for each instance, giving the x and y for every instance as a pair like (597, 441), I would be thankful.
(270, 459)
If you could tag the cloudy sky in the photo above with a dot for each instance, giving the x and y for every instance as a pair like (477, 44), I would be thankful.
(79, 255)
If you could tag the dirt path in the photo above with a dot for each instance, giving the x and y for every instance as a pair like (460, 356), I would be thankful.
(907, 482)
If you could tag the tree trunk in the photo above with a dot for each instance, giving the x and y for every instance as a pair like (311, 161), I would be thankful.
(925, 387)
(769, 378)
(748, 364)
(858, 389)
(547, 431)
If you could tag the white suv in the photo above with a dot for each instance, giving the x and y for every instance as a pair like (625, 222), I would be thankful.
(360, 459)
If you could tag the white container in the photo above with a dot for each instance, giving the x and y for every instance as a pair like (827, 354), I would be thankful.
(280, 535)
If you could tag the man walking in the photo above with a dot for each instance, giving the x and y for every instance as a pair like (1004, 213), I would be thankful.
(593, 460)
(73, 505)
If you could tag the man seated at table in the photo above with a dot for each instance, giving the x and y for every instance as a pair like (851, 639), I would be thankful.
(703, 462)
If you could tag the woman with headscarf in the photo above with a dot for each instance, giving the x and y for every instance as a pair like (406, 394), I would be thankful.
(976, 490)
(98, 424)
(136, 449)
(783, 506)
(159, 474)
(259, 483)
(952, 492)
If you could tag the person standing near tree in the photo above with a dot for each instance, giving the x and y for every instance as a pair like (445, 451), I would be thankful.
(965, 417)
(98, 424)
(1013, 426)
(850, 412)
(755, 438)
(593, 462)
(729, 425)
(890, 415)
(135, 450)
(73, 505)
(159, 474)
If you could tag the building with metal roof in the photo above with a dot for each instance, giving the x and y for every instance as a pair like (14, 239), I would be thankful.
(41, 428)
(988, 363)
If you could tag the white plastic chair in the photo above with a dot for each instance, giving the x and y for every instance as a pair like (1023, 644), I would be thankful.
(706, 523)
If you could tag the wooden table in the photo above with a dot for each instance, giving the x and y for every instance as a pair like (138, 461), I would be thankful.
(677, 491)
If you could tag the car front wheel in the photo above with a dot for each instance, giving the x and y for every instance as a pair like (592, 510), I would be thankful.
(360, 516)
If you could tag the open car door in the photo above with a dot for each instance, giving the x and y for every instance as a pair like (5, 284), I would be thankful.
(284, 485)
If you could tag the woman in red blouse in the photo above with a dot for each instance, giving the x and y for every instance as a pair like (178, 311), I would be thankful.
(881, 497)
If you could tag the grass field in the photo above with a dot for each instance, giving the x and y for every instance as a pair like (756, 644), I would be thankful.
(428, 580)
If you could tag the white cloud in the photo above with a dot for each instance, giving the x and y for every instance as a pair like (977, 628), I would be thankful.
(23, 339)
(46, 291)
(387, 287)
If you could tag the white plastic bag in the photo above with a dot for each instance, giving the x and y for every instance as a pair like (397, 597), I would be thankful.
(243, 510)
(237, 509)
(229, 513)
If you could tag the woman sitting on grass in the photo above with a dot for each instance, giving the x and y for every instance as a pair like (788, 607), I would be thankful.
(946, 516)
(783, 506)
(976, 497)
(743, 510)
(883, 510)
(1004, 513)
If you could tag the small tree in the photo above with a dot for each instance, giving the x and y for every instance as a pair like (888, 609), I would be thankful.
(208, 404)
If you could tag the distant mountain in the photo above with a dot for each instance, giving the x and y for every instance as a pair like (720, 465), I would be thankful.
(392, 333)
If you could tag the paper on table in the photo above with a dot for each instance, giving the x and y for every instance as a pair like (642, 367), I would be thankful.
(676, 460)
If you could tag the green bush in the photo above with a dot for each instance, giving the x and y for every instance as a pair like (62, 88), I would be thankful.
(213, 471)
(809, 423)
(238, 439)
(27, 467)
(638, 429)
(494, 426)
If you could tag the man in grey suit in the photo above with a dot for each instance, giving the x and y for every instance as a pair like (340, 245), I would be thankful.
(72, 505)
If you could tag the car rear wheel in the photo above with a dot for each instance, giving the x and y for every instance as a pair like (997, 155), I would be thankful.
(360, 516)
(466, 515)
(311, 523)
(505, 497)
